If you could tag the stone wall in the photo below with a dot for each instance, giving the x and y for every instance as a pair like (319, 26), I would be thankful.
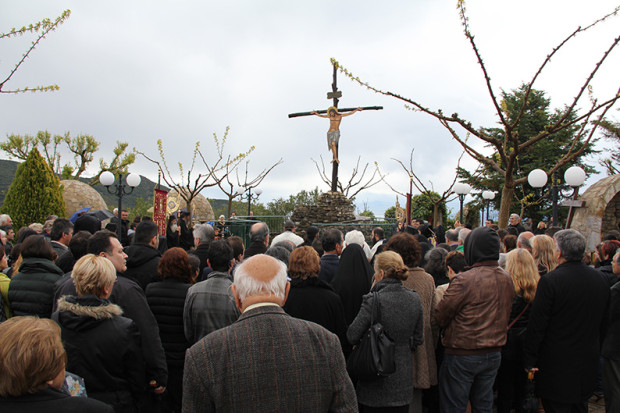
(611, 218)
(599, 212)
(78, 195)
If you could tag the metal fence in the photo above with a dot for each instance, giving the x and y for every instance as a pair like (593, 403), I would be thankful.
(241, 226)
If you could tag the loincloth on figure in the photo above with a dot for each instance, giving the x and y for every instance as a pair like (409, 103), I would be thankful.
(332, 137)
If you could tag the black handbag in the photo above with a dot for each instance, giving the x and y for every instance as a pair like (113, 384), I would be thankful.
(373, 357)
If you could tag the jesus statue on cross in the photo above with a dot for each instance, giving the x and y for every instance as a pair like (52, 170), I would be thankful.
(333, 134)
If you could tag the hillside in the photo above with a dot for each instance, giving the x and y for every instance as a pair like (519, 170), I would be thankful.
(144, 190)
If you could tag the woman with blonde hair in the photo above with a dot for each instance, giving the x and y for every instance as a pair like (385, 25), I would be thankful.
(401, 315)
(511, 376)
(102, 346)
(32, 362)
(543, 251)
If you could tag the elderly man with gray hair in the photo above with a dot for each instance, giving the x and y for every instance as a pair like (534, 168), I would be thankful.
(266, 360)
(203, 237)
(565, 324)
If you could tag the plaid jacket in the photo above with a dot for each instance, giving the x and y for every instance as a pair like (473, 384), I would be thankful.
(267, 361)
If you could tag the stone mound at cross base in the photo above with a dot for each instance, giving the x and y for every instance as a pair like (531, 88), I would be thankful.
(331, 207)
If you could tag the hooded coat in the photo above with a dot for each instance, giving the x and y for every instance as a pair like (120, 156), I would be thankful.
(476, 306)
(103, 348)
(142, 262)
(352, 280)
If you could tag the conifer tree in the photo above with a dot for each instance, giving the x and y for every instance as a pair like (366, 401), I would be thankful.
(34, 193)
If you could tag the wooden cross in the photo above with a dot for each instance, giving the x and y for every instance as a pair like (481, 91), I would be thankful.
(335, 117)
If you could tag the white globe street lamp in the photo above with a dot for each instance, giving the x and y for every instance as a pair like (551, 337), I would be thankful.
(461, 189)
(120, 189)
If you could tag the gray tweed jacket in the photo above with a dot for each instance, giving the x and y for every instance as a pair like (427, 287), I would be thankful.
(267, 361)
(402, 319)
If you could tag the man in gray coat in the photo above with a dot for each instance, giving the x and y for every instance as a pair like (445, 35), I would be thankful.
(266, 360)
(209, 304)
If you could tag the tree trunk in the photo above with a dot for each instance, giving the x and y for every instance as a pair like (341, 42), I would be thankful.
(230, 200)
(504, 209)
(436, 215)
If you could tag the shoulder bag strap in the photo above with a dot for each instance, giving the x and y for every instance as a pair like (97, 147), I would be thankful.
(518, 317)
(377, 305)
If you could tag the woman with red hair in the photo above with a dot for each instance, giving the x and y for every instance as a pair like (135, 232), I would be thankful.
(166, 299)
(606, 252)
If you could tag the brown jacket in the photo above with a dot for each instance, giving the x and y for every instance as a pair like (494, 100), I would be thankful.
(475, 309)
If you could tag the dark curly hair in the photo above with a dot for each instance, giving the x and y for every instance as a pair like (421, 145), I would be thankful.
(407, 246)
(175, 264)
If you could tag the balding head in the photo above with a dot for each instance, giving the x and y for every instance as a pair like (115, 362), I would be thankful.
(260, 279)
(523, 241)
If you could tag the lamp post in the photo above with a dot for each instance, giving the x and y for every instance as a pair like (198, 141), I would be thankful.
(488, 196)
(461, 189)
(574, 176)
(249, 196)
(120, 189)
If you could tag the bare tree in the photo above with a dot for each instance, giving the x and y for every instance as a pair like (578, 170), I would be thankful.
(445, 197)
(42, 28)
(230, 188)
(510, 144)
(81, 149)
(356, 183)
(190, 183)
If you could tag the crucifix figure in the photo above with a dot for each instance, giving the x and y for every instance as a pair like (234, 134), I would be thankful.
(333, 134)
(335, 117)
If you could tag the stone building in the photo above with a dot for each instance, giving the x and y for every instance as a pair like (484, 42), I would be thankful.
(601, 212)
(78, 195)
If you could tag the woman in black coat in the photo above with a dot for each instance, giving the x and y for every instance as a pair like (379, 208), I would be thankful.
(511, 376)
(402, 320)
(31, 291)
(313, 299)
(352, 280)
(102, 346)
(166, 299)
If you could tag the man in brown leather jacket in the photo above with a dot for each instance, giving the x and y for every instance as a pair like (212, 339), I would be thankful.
(474, 313)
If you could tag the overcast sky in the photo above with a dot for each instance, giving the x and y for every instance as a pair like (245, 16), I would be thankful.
(138, 71)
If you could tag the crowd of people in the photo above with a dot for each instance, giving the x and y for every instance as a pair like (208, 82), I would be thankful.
(197, 321)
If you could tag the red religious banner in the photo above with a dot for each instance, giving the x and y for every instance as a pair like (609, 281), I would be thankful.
(160, 199)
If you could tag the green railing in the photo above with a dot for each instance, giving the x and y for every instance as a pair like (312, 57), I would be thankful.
(241, 226)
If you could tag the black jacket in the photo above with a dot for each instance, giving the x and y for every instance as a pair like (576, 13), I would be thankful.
(607, 272)
(315, 300)
(103, 348)
(352, 280)
(329, 266)
(201, 252)
(128, 294)
(166, 299)
(255, 248)
(186, 237)
(31, 291)
(51, 400)
(142, 262)
(515, 339)
(563, 332)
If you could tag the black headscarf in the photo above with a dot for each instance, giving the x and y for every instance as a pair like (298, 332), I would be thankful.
(352, 280)
(482, 244)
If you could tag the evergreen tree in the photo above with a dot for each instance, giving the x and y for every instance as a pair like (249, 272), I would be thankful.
(34, 193)
(534, 119)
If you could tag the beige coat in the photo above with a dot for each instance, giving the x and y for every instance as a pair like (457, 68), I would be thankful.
(424, 365)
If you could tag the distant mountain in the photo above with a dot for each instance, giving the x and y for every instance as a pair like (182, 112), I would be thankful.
(144, 190)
